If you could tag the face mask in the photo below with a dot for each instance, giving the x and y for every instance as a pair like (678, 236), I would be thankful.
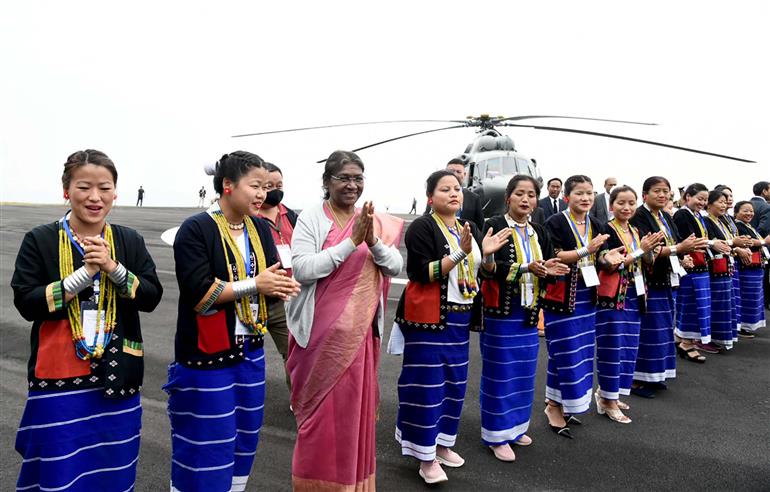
(274, 197)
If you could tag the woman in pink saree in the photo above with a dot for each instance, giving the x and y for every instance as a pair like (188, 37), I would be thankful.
(343, 257)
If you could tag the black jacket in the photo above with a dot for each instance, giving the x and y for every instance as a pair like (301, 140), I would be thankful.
(38, 295)
(658, 274)
(205, 333)
(423, 304)
(500, 290)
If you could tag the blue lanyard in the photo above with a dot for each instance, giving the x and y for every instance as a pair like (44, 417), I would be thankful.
(665, 224)
(583, 240)
(67, 229)
(525, 243)
(247, 250)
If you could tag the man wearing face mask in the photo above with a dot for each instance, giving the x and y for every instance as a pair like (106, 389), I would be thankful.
(281, 220)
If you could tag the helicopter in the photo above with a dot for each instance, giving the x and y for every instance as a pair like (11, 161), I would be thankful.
(492, 159)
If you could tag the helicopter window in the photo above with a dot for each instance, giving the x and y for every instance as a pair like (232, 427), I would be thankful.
(523, 166)
(498, 166)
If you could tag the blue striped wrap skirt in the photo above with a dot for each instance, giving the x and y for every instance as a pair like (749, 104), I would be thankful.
(752, 299)
(571, 339)
(693, 309)
(736, 311)
(656, 358)
(722, 325)
(431, 387)
(508, 366)
(78, 441)
(216, 416)
(617, 343)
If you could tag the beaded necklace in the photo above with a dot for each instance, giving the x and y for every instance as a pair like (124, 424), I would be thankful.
(466, 277)
(107, 295)
(581, 241)
(243, 305)
(527, 248)
(635, 241)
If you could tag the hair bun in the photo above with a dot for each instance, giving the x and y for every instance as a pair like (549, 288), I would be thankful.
(210, 168)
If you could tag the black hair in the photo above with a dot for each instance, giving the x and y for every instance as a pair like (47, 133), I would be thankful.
(518, 179)
(334, 164)
(569, 185)
(455, 161)
(83, 157)
(555, 179)
(694, 189)
(272, 168)
(759, 187)
(621, 189)
(434, 178)
(234, 166)
(652, 181)
(737, 206)
(723, 188)
(715, 195)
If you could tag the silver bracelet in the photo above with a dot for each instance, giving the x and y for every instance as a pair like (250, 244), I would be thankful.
(672, 250)
(524, 268)
(458, 256)
(637, 253)
(489, 259)
(78, 281)
(243, 288)
(583, 252)
(119, 276)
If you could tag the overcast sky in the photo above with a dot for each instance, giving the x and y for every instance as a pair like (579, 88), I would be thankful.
(161, 87)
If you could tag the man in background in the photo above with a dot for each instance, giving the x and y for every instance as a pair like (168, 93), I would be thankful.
(601, 209)
(552, 204)
(140, 196)
(202, 196)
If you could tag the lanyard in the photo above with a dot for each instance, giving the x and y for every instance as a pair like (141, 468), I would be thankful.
(525, 243)
(581, 240)
(699, 220)
(721, 227)
(751, 228)
(663, 225)
(247, 250)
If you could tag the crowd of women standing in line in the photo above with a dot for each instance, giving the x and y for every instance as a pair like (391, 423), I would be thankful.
(609, 293)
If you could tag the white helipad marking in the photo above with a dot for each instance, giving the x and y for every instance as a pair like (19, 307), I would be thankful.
(169, 236)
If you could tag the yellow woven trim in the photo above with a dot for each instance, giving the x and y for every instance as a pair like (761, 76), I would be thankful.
(133, 351)
(208, 299)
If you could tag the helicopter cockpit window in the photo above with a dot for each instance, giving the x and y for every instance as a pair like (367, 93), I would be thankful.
(500, 166)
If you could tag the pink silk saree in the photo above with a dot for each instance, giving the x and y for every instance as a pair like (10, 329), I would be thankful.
(334, 380)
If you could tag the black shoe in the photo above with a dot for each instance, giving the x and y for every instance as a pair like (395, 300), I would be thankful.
(559, 431)
(658, 386)
(643, 391)
(745, 334)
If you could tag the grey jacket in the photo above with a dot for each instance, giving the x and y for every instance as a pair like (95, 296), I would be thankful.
(310, 262)
(761, 220)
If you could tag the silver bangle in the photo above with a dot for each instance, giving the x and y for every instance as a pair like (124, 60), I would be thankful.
(672, 250)
(710, 243)
(243, 288)
(524, 268)
(78, 281)
(489, 259)
(583, 252)
(119, 276)
(637, 253)
(458, 256)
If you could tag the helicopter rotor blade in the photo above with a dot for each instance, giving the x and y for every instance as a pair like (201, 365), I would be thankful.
(519, 118)
(346, 124)
(400, 137)
(629, 139)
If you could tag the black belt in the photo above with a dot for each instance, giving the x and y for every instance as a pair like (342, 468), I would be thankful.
(246, 338)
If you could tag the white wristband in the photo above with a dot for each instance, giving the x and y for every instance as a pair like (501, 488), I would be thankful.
(672, 249)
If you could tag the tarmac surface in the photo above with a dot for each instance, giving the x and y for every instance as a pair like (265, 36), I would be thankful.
(709, 431)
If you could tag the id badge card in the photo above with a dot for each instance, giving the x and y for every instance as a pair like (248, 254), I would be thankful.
(639, 283)
(590, 277)
(528, 291)
(674, 278)
(255, 311)
(284, 254)
(88, 310)
(766, 252)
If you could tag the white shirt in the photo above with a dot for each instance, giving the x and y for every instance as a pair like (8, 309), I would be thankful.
(240, 328)
(610, 215)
